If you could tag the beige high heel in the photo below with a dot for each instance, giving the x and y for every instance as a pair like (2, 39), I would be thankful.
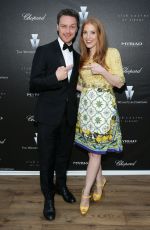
(97, 196)
(84, 209)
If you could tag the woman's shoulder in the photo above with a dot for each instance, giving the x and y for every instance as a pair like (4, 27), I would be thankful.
(112, 51)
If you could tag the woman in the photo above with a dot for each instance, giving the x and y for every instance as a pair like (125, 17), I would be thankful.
(97, 129)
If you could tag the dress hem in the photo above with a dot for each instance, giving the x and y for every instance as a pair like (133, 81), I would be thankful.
(97, 151)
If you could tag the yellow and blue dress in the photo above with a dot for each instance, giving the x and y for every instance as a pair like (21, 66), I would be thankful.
(98, 128)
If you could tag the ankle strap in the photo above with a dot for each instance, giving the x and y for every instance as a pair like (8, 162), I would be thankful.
(86, 196)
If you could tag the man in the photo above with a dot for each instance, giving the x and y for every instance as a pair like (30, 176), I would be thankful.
(54, 76)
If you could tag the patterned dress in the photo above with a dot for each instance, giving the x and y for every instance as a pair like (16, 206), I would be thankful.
(98, 129)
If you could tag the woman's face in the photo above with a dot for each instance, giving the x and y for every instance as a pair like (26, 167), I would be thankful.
(90, 36)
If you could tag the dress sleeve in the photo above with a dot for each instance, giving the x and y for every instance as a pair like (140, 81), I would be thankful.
(116, 64)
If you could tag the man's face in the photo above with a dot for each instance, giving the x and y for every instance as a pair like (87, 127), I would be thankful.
(67, 28)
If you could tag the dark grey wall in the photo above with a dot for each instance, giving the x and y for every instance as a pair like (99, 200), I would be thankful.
(127, 26)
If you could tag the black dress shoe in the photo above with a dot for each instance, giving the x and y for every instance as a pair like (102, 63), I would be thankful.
(49, 209)
(66, 194)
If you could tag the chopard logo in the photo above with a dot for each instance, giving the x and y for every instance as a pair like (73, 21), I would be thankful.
(131, 71)
(30, 17)
(125, 164)
(30, 118)
(83, 13)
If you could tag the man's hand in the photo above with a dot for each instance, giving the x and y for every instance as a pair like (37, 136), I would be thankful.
(62, 72)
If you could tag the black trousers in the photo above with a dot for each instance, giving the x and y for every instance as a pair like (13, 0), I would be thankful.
(55, 145)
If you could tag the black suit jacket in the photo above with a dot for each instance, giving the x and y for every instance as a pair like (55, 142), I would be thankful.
(54, 96)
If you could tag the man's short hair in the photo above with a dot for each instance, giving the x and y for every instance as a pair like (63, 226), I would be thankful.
(69, 12)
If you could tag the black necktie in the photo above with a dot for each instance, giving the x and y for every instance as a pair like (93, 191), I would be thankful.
(70, 48)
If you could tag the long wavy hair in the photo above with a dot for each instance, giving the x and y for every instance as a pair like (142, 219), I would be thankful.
(101, 46)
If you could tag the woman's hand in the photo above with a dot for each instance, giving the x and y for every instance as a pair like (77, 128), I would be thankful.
(97, 68)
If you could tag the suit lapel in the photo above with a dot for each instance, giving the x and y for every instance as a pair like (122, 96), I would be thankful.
(75, 67)
(59, 54)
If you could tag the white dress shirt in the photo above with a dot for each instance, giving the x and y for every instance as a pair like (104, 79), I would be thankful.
(68, 56)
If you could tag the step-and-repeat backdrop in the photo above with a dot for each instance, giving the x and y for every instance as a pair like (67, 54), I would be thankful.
(27, 24)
